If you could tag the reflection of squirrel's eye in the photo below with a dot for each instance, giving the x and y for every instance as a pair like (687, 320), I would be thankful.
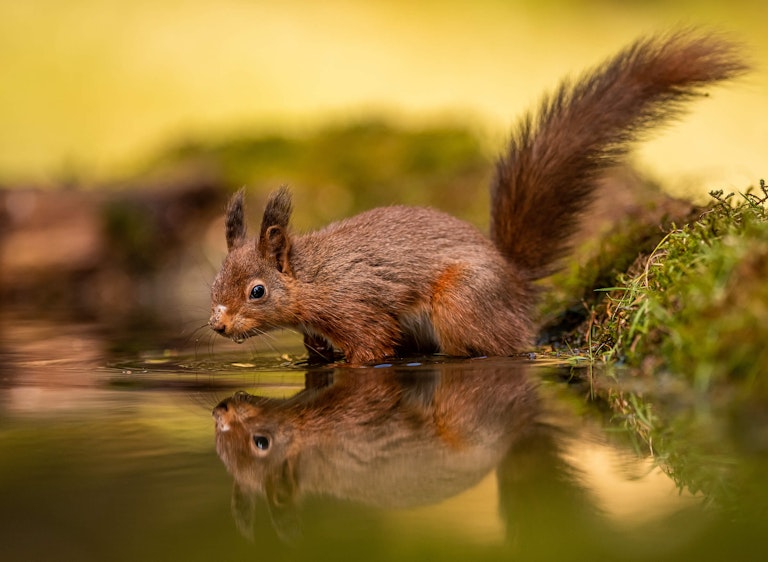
(261, 442)
(258, 291)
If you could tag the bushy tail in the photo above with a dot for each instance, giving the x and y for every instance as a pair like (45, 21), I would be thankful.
(555, 157)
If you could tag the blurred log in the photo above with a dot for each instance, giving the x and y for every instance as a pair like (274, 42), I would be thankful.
(103, 253)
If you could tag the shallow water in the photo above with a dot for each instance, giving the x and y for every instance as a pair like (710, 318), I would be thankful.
(113, 456)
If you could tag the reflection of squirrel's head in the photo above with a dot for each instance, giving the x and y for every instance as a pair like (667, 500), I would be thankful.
(248, 436)
(384, 438)
(254, 446)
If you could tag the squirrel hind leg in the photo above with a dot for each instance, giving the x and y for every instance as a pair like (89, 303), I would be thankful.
(470, 320)
(499, 334)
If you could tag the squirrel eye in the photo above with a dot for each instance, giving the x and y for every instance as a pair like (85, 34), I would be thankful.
(258, 291)
(261, 442)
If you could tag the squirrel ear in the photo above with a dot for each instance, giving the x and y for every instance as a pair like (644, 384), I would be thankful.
(281, 490)
(243, 508)
(235, 221)
(273, 240)
(276, 245)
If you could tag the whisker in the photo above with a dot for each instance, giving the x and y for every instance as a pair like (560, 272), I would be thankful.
(195, 332)
(266, 336)
(195, 337)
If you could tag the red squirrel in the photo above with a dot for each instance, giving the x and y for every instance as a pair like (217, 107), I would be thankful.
(395, 279)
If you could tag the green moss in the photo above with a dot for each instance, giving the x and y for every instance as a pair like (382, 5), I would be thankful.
(342, 170)
(608, 244)
(697, 306)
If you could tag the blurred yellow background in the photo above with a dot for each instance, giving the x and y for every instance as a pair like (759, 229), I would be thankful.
(91, 87)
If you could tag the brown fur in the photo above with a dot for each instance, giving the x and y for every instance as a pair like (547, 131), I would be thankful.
(398, 277)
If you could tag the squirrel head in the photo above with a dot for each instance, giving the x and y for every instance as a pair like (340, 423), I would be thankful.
(252, 436)
(251, 293)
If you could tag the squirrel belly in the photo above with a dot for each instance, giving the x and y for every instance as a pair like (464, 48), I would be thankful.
(407, 278)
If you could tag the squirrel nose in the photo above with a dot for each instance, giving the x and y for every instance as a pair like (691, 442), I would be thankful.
(217, 326)
(216, 321)
(222, 417)
(220, 409)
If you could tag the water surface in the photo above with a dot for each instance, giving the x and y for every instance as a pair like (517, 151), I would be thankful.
(115, 456)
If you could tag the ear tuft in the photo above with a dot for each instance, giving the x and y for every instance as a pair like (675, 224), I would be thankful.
(235, 221)
(277, 211)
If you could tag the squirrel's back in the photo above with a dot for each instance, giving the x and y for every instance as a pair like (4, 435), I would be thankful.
(555, 156)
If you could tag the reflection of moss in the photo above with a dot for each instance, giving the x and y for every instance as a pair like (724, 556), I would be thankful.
(689, 445)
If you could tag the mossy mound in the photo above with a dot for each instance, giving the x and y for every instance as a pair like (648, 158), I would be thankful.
(697, 304)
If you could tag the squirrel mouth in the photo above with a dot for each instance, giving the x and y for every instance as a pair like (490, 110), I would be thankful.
(242, 336)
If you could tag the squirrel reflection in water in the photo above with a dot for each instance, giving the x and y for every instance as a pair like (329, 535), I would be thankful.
(388, 438)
